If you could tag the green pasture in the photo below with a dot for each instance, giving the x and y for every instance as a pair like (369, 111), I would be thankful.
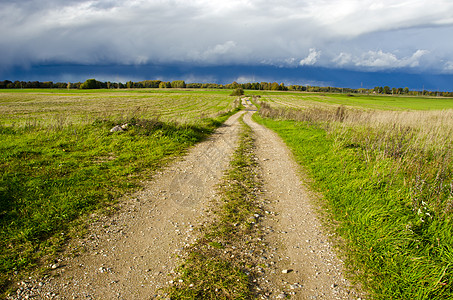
(380, 102)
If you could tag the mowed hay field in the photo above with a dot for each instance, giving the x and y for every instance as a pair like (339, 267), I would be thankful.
(59, 161)
(52, 107)
(385, 168)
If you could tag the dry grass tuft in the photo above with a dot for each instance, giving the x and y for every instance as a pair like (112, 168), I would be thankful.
(419, 144)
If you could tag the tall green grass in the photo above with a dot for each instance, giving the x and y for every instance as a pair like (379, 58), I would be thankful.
(388, 180)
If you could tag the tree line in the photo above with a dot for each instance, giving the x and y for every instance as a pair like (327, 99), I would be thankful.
(271, 86)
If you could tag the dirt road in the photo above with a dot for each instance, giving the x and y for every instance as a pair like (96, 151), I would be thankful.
(299, 242)
(132, 254)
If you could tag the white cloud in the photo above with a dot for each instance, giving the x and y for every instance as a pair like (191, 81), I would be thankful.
(290, 61)
(356, 17)
(218, 50)
(343, 59)
(449, 67)
(311, 59)
(379, 60)
(245, 79)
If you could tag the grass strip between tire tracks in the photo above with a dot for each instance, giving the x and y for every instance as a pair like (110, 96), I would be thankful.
(216, 266)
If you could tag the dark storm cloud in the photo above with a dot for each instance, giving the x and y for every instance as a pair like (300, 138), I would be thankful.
(300, 33)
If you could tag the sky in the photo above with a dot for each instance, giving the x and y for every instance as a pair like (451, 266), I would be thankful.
(347, 43)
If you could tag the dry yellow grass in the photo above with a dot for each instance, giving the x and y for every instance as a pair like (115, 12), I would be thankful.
(428, 130)
(418, 144)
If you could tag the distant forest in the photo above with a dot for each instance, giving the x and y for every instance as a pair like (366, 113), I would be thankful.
(271, 86)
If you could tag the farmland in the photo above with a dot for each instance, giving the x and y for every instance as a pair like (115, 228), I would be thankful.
(59, 161)
(382, 166)
(387, 177)
(53, 107)
(363, 101)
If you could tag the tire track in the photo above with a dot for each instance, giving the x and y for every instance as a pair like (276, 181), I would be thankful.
(132, 254)
(303, 256)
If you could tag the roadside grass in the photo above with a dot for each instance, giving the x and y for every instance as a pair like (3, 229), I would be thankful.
(215, 266)
(53, 173)
(387, 178)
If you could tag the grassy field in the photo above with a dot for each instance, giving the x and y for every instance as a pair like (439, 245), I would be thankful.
(387, 177)
(384, 165)
(59, 161)
(60, 107)
(377, 102)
